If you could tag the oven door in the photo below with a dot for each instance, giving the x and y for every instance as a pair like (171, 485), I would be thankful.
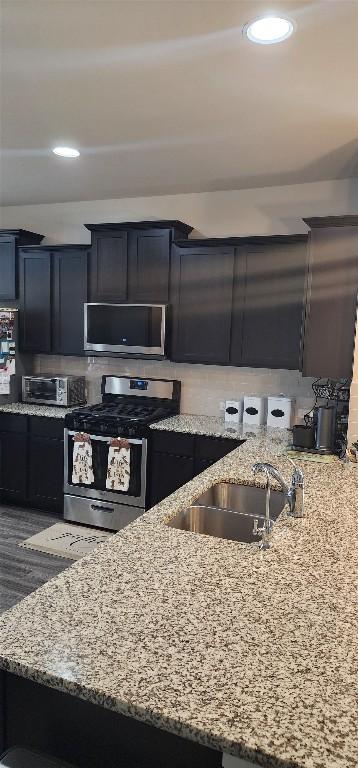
(39, 390)
(135, 496)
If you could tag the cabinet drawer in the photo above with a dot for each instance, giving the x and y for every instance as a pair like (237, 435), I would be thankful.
(174, 443)
(214, 447)
(45, 426)
(13, 422)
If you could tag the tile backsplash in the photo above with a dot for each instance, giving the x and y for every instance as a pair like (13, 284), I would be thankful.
(203, 386)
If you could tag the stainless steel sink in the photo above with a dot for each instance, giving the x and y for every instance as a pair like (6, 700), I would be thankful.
(246, 499)
(228, 511)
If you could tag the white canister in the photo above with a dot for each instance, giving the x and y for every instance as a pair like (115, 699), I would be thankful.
(279, 412)
(233, 412)
(254, 410)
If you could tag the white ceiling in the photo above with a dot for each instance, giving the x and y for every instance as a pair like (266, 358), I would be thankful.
(167, 96)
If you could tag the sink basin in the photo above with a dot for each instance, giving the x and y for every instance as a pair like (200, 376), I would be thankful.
(246, 499)
(228, 511)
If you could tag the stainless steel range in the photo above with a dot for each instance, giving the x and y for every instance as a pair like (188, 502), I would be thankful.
(129, 406)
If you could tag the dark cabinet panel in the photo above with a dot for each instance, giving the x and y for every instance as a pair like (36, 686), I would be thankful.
(13, 466)
(168, 473)
(180, 457)
(35, 301)
(69, 296)
(202, 281)
(45, 472)
(31, 461)
(268, 305)
(331, 300)
(109, 266)
(7, 269)
(148, 265)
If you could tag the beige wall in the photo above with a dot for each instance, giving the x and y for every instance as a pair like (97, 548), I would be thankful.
(269, 210)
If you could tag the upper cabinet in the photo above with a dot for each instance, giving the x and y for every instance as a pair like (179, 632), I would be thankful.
(239, 301)
(331, 304)
(69, 296)
(201, 290)
(10, 239)
(268, 302)
(109, 266)
(130, 261)
(53, 290)
(35, 300)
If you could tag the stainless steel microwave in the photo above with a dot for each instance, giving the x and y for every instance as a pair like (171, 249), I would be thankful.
(125, 329)
(47, 389)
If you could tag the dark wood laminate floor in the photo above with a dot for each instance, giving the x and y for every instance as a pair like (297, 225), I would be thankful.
(23, 570)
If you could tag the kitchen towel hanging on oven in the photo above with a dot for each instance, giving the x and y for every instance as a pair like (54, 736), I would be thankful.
(118, 470)
(82, 463)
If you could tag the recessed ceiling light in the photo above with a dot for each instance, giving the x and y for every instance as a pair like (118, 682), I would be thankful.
(66, 151)
(268, 30)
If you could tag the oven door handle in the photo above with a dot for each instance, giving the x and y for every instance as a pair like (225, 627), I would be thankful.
(107, 439)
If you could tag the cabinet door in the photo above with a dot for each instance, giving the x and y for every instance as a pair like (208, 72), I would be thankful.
(268, 305)
(331, 303)
(168, 473)
(45, 472)
(13, 466)
(35, 301)
(7, 269)
(148, 265)
(202, 282)
(69, 296)
(109, 264)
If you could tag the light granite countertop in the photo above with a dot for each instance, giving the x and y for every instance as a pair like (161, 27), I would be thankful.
(252, 653)
(31, 409)
(202, 425)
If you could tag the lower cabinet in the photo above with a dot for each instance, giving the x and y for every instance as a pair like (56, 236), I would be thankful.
(31, 461)
(176, 458)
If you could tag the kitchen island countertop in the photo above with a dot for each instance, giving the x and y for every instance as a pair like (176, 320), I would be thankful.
(252, 653)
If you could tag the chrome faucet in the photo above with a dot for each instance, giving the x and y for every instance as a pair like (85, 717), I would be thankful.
(266, 529)
(294, 493)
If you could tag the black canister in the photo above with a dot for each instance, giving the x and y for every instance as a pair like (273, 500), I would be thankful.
(303, 436)
(326, 427)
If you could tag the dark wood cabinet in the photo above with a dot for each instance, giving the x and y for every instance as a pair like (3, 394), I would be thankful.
(201, 289)
(45, 472)
(35, 300)
(53, 290)
(176, 458)
(130, 261)
(10, 239)
(69, 297)
(331, 305)
(8, 288)
(148, 265)
(168, 473)
(109, 266)
(268, 303)
(13, 466)
(31, 461)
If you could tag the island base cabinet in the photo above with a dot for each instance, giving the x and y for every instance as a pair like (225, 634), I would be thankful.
(89, 736)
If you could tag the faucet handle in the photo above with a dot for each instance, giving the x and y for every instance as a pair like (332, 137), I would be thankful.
(297, 475)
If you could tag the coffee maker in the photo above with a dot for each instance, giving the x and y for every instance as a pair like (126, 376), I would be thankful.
(326, 425)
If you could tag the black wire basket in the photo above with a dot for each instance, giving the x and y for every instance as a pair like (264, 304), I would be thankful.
(328, 389)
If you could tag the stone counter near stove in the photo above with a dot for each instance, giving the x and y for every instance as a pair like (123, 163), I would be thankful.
(210, 426)
(32, 409)
(247, 652)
